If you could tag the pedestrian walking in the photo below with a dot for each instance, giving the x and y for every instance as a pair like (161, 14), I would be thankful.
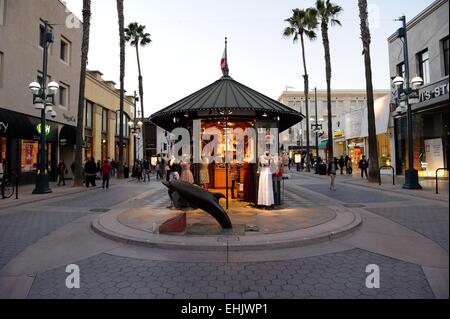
(61, 169)
(106, 173)
(363, 165)
(137, 171)
(342, 164)
(332, 168)
(90, 169)
(146, 169)
(114, 168)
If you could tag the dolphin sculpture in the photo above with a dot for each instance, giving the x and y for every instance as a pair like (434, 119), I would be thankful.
(198, 197)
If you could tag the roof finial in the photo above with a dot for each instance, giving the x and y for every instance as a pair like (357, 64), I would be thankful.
(224, 61)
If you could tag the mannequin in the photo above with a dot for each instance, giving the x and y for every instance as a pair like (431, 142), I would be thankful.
(204, 173)
(265, 189)
(186, 174)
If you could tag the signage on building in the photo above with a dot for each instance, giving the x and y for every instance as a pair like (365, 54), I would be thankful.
(338, 133)
(47, 129)
(69, 118)
(3, 127)
(434, 154)
(433, 91)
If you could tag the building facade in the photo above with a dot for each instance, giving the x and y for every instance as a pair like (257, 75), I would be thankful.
(102, 120)
(349, 119)
(428, 55)
(21, 62)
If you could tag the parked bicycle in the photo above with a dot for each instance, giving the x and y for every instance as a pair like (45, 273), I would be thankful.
(6, 186)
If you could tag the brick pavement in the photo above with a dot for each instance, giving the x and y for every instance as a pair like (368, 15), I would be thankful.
(337, 275)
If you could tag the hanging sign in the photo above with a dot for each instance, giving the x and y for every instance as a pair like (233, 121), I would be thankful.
(47, 129)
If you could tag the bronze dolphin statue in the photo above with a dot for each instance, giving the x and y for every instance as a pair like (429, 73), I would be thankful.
(198, 197)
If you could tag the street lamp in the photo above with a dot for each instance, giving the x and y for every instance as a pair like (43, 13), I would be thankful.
(135, 127)
(44, 99)
(408, 94)
(316, 127)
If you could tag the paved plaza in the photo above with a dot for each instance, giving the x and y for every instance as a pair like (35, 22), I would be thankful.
(404, 233)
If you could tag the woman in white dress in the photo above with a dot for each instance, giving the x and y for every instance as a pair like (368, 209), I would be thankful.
(265, 189)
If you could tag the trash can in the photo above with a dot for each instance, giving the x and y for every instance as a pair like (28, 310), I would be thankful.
(126, 172)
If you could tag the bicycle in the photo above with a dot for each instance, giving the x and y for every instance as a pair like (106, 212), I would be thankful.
(6, 186)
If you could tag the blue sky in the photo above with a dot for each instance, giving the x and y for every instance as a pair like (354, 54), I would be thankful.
(188, 42)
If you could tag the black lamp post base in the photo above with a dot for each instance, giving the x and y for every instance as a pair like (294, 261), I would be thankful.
(411, 179)
(42, 185)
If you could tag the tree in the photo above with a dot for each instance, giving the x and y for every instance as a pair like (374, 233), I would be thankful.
(366, 39)
(135, 35)
(78, 178)
(303, 23)
(327, 13)
(122, 88)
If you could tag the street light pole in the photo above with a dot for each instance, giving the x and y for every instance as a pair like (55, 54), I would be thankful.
(317, 132)
(411, 174)
(42, 179)
(134, 136)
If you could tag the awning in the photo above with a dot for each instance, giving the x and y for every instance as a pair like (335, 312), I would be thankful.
(14, 124)
(68, 135)
(323, 145)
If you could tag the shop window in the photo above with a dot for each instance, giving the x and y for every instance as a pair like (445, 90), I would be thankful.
(63, 95)
(64, 52)
(29, 156)
(2, 12)
(445, 57)
(88, 115)
(424, 66)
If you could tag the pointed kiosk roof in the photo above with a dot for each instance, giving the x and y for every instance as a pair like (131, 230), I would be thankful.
(229, 96)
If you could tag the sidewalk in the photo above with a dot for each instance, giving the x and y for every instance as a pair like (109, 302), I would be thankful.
(428, 190)
(26, 195)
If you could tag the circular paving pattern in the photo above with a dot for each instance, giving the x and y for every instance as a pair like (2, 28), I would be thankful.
(253, 229)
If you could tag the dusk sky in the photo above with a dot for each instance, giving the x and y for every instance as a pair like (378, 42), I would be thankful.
(188, 42)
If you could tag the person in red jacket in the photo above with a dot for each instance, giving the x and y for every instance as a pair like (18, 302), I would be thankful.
(106, 173)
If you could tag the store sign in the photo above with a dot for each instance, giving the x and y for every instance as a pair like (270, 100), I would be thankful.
(434, 154)
(69, 118)
(47, 129)
(338, 133)
(433, 91)
(3, 127)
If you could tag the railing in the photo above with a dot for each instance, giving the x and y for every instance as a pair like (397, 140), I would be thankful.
(439, 169)
(393, 174)
(7, 189)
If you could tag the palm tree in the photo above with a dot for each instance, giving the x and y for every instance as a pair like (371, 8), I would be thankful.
(373, 147)
(122, 88)
(135, 35)
(78, 178)
(303, 23)
(327, 13)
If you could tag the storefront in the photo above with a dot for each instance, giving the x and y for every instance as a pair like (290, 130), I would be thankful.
(242, 124)
(430, 132)
(20, 147)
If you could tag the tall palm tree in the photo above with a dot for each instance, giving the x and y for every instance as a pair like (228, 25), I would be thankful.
(303, 23)
(327, 14)
(122, 85)
(373, 147)
(135, 35)
(78, 178)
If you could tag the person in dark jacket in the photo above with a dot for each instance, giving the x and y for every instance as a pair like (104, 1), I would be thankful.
(61, 173)
(146, 169)
(332, 168)
(90, 169)
(342, 164)
(363, 165)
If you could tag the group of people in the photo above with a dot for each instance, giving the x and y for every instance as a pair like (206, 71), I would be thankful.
(336, 164)
(142, 170)
(91, 170)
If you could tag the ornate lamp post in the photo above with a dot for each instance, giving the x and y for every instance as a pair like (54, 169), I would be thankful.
(135, 127)
(408, 94)
(43, 99)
